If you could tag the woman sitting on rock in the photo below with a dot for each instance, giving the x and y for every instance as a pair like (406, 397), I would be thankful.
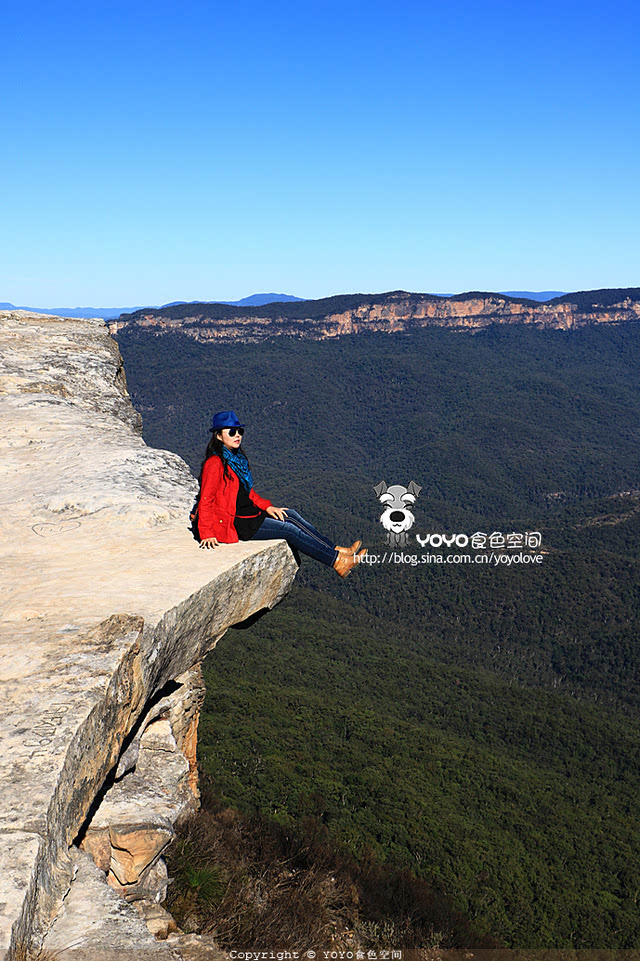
(229, 509)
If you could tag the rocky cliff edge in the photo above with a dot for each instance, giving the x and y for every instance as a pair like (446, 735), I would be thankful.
(108, 608)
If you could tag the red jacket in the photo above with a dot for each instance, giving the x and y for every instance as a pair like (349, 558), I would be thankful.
(217, 504)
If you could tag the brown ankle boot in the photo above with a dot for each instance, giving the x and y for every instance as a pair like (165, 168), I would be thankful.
(345, 562)
(349, 550)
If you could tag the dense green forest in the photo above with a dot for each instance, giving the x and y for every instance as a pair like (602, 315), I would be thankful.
(475, 723)
(605, 297)
(526, 808)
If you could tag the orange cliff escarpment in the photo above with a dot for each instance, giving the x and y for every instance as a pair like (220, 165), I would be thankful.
(389, 313)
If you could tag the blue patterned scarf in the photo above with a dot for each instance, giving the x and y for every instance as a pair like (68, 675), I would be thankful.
(238, 462)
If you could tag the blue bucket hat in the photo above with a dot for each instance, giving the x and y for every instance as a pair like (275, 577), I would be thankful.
(224, 418)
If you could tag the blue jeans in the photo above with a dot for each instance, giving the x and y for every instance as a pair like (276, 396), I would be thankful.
(300, 534)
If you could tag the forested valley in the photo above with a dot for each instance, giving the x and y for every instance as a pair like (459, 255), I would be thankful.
(476, 725)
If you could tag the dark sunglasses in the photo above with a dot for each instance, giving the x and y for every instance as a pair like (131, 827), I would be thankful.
(232, 431)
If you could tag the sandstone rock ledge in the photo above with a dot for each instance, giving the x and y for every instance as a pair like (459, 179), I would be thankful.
(108, 607)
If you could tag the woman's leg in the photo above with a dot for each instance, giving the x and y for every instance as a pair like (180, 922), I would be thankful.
(304, 524)
(305, 541)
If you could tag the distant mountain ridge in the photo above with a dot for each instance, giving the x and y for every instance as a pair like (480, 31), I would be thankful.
(107, 313)
(110, 313)
(257, 300)
(397, 311)
(542, 295)
(253, 300)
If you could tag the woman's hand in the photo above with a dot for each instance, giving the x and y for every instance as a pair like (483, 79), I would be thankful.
(210, 542)
(280, 513)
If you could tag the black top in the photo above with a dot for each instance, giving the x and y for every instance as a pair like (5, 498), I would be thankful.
(248, 517)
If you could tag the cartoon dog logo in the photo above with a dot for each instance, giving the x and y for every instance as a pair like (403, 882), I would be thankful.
(396, 518)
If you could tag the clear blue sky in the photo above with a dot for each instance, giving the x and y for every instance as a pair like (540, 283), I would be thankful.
(180, 151)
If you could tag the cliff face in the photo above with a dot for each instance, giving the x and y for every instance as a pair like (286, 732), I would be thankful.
(108, 608)
(392, 313)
